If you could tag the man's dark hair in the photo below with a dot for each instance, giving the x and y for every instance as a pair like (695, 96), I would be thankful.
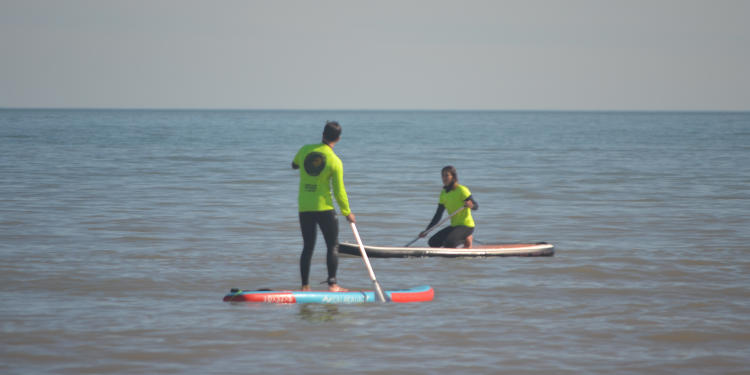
(331, 132)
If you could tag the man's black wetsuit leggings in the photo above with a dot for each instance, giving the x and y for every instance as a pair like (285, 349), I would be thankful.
(450, 236)
(329, 225)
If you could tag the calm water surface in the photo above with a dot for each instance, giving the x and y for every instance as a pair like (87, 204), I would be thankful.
(120, 231)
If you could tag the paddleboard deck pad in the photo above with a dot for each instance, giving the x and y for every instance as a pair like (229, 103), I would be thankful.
(418, 294)
(484, 250)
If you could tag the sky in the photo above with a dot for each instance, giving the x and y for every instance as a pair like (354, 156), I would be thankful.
(351, 54)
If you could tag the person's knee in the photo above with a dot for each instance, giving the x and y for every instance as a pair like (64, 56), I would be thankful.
(453, 240)
(434, 242)
(452, 244)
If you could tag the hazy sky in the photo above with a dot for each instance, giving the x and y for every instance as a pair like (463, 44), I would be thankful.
(381, 54)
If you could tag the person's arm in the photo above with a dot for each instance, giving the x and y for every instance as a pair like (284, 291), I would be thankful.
(438, 215)
(297, 160)
(435, 219)
(339, 191)
(471, 203)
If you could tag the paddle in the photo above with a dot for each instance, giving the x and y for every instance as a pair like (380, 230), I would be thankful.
(436, 225)
(378, 289)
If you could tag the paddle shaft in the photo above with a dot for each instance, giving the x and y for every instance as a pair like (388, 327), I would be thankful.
(378, 289)
(437, 225)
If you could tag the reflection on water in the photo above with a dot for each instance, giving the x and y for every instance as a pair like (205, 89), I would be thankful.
(317, 313)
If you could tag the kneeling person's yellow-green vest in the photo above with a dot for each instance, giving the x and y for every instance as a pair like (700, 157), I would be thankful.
(453, 200)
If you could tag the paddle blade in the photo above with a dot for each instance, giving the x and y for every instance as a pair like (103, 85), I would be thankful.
(379, 292)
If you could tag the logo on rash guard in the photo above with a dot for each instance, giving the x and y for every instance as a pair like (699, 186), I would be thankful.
(315, 162)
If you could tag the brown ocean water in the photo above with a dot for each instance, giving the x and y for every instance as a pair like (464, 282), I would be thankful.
(120, 231)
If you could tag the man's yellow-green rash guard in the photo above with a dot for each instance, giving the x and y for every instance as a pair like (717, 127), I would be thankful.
(320, 168)
(453, 200)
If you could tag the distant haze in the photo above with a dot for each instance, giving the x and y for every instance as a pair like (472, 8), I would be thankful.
(494, 55)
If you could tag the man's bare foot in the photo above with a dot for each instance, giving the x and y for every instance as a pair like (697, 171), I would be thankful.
(336, 288)
(306, 288)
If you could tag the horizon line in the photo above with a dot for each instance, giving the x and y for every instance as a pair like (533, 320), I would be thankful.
(228, 109)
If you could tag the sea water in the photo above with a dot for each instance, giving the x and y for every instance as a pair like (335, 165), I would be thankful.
(121, 230)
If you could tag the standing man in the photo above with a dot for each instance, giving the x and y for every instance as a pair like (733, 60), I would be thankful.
(320, 170)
